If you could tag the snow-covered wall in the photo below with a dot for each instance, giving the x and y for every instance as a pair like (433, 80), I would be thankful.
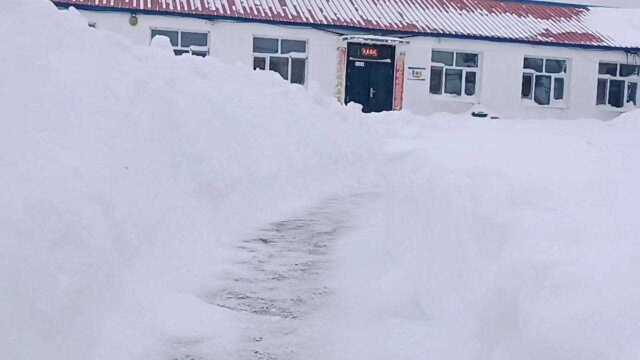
(500, 73)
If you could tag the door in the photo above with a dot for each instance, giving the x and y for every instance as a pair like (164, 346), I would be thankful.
(370, 72)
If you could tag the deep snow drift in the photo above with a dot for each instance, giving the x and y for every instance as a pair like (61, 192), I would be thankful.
(126, 173)
(129, 173)
(496, 240)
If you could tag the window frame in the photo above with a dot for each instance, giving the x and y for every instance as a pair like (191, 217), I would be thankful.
(455, 97)
(566, 78)
(185, 50)
(279, 54)
(627, 80)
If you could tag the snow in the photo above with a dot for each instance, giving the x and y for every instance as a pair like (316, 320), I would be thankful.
(129, 174)
(133, 178)
(495, 239)
(621, 25)
(608, 3)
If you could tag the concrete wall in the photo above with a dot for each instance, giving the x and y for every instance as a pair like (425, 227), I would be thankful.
(500, 74)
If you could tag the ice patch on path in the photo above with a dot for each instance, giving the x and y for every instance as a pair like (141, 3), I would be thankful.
(279, 281)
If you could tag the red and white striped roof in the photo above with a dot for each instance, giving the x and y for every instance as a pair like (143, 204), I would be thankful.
(483, 19)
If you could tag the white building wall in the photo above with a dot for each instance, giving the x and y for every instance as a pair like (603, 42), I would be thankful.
(235, 41)
(500, 82)
(231, 42)
(500, 75)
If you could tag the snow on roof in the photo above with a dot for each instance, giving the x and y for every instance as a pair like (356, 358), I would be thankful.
(519, 21)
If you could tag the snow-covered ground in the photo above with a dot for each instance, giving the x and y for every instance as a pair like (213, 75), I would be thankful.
(176, 208)
(495, 240)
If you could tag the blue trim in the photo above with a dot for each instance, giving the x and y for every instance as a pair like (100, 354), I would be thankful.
(325, 27)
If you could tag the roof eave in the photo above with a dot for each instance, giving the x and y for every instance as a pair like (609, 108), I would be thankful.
(346, 27)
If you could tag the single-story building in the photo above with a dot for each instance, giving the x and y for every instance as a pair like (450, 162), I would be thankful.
(520, 58)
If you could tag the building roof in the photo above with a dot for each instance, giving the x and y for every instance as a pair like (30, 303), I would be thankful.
(516, 21)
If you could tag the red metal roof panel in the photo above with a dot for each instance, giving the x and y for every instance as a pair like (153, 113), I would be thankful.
(486, 19)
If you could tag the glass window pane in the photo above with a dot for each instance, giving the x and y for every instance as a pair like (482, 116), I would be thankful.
(616, 93)
(188, 39)
(172, 35)
(466, 60)
(442, 57)
(435, 86)
(534, 64)
(298, 70)
(632, 93)
(180, 52)
(453, 82)
(470, 83)
(628, 70)
(542, 94)
(265, 45)
(555, 66)
(293, 46)
(558, 88)
(259, 63)
(608, 69)
(527, 86)
(602, 92)
(280, 65)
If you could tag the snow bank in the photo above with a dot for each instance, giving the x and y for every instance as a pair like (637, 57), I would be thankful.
(496, 239)
(126, 171)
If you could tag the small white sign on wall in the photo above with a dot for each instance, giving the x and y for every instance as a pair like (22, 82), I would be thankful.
(417, 73)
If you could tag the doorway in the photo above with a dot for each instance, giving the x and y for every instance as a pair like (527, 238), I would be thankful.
(370, 76)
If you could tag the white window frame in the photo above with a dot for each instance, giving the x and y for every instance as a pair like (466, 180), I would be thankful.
(478, 70)
(292, 55)
(189, 49)
(628, 79)
(562, 103)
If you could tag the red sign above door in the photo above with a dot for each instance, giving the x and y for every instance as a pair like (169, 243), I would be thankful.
(369, 52)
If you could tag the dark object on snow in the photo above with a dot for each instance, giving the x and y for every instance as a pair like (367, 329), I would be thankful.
(479, 114)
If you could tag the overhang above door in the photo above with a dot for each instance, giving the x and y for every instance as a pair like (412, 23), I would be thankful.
(373, 39)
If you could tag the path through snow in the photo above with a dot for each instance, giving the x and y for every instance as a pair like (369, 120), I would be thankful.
(280, 278)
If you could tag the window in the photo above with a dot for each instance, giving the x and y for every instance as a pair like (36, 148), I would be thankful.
(185, 42)
(454, 73)
(543, 80)
(286, 57)
(617, 85)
